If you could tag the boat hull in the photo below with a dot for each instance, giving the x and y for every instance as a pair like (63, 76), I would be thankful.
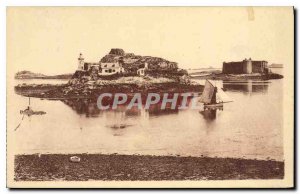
(218, 105)
(31, 112)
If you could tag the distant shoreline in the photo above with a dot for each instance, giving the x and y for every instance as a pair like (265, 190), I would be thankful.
(26, 75)
(47, 77)
(53, 167)
(237, 77)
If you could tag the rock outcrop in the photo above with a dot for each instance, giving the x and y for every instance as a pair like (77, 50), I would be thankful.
(117, 51)
(132, 61)
(155, 66)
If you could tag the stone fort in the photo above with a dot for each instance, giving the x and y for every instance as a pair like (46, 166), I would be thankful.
(246, 66)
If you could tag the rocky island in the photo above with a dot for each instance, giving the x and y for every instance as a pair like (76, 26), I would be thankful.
(117, 72)
(129, 73)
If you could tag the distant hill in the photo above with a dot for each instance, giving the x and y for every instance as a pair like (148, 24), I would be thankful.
(31, 75)
(276, 65)
(28, 75)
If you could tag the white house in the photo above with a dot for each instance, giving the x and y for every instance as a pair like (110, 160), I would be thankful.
(141, 71)
(111, 68)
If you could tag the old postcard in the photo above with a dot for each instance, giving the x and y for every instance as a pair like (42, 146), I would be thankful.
(150, 97)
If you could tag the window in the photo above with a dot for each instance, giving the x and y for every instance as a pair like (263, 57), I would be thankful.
(113, 65)
(113, 70)
(106, 70)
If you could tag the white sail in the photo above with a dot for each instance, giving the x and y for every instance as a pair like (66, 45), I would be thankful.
(207, 93)
(221, 96)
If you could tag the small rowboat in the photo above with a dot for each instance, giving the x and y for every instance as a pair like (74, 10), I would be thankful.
(28, 111)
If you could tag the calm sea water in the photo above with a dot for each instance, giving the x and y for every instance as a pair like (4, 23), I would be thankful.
(249, 127)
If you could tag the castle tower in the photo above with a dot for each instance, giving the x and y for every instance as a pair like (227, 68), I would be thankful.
(247, 66)
(80, 62)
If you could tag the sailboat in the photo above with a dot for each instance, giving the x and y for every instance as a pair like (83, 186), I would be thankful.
(213, 97)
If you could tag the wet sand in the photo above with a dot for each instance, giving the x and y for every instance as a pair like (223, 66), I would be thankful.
(51, 167)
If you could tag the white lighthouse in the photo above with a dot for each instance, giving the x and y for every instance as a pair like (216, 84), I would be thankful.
(80, 62)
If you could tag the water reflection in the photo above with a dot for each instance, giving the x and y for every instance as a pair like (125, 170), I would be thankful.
(246, 86)
(155, 110)
(210, 114)
(251, 126)
(89, 108)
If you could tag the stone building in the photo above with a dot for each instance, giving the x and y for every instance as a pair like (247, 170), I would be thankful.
(86, 66)
(111, 67)
(246, 66)
(91, 66)
(119, 62)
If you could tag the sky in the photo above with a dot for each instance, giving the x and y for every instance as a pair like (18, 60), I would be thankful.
(48, 40)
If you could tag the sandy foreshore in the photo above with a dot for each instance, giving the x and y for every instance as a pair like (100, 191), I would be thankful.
(51, 167)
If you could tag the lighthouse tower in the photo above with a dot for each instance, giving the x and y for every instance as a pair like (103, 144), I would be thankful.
(80, 62)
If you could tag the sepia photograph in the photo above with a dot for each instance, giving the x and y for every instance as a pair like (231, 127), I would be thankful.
(150, 97)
